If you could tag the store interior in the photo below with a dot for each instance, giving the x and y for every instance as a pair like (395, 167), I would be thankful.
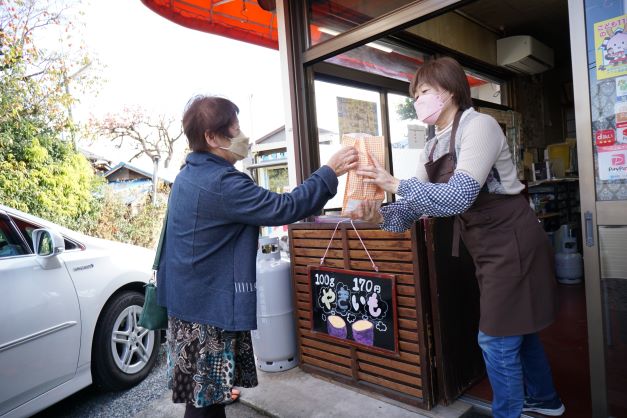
(531, 99)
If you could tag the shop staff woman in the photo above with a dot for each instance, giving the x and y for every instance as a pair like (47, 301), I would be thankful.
(467, 171)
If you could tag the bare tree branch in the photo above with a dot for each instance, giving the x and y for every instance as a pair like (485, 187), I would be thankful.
(154, 136)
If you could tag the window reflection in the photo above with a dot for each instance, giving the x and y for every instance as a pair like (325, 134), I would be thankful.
(484, 88)
(407, 136)
(341, 110)
(382, 57)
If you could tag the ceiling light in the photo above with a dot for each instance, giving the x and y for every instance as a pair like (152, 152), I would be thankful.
(380, 47)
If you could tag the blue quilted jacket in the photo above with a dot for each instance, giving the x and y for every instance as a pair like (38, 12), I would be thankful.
(207, 269)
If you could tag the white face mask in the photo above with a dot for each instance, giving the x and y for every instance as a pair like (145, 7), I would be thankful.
(239, 146)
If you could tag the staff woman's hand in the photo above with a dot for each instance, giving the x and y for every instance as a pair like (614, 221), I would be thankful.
(368, 210)
(343, 160)
(377, 175)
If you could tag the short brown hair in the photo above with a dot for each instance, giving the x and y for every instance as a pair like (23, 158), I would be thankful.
(445, 73)
(207, 114)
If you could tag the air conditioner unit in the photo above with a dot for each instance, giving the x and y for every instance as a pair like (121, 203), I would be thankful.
(523, 54)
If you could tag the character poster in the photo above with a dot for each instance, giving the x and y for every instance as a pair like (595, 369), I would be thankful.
(610, 43)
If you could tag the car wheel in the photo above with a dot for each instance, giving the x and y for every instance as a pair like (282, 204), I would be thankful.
(123, 353)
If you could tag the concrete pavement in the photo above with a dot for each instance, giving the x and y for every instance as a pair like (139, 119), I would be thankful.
(296, 394)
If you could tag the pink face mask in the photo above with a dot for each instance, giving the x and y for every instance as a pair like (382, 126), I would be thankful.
(429, 107)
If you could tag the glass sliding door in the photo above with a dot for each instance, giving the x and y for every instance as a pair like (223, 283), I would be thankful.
(599, 51)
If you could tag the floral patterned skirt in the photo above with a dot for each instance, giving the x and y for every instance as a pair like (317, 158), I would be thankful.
(205, 362)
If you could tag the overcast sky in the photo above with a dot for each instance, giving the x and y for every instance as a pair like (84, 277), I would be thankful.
(156, 64)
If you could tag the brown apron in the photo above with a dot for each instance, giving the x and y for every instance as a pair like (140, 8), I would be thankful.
(512, 254)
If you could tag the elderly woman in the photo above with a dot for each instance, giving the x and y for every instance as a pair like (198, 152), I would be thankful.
(467, 171)
(206, 278)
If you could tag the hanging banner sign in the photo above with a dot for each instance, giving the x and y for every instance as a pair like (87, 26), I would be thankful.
(610, 42)
(354, 307)
(612, 162)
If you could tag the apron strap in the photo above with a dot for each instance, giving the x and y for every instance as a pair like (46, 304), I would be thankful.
(456, 236)
(457, 220)
(451, 146)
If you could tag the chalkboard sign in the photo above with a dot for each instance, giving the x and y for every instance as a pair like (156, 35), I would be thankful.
(355, 307)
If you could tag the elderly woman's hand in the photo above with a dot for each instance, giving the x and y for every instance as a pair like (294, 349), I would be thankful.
(343, 160)
(368, 210)
(377, 175)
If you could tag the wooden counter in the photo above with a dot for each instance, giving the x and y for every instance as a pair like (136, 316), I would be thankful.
(401, 376)
(437, 311)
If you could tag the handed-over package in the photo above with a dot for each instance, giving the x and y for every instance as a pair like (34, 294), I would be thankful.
(356, 189)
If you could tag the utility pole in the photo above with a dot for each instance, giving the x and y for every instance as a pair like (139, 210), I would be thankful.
(155, 178)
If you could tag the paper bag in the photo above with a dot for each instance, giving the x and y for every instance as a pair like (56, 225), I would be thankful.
(356, 190)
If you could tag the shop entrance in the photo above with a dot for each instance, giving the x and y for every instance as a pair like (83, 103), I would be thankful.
(534, 105)
(544, 99)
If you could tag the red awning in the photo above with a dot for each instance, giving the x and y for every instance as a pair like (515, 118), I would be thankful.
(254, 22)
(244, 20)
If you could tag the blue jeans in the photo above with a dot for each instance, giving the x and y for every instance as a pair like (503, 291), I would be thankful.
(517, 367)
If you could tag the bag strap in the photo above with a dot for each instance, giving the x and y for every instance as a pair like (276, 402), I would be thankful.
(155, 264)
(358, 236)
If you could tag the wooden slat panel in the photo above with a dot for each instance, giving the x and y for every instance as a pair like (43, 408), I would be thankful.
(323, 355)
(410, 358)
(344, 351)
(390, 374)
(388, 384)
(302, 306)
(314, 233)
(408, 335)
(407, 279)
(381, 255)
(378, 234)
(406, 312)
(318, 252)
(406, 302)
(398, 365)
(397, 256)
(300, 270)
(407, 324)
(304, 288)
(329, 262)
(405, 290)
(301, 279)
(379, 245)
(316, 243)
(393, 254)
(326, 365)
(409, 347)
(383, 266)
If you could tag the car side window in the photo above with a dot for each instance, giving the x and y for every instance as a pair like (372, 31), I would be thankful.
(10, 244)
(27, 229)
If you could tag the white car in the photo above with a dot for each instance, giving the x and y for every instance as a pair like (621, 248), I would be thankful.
(69, 306)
